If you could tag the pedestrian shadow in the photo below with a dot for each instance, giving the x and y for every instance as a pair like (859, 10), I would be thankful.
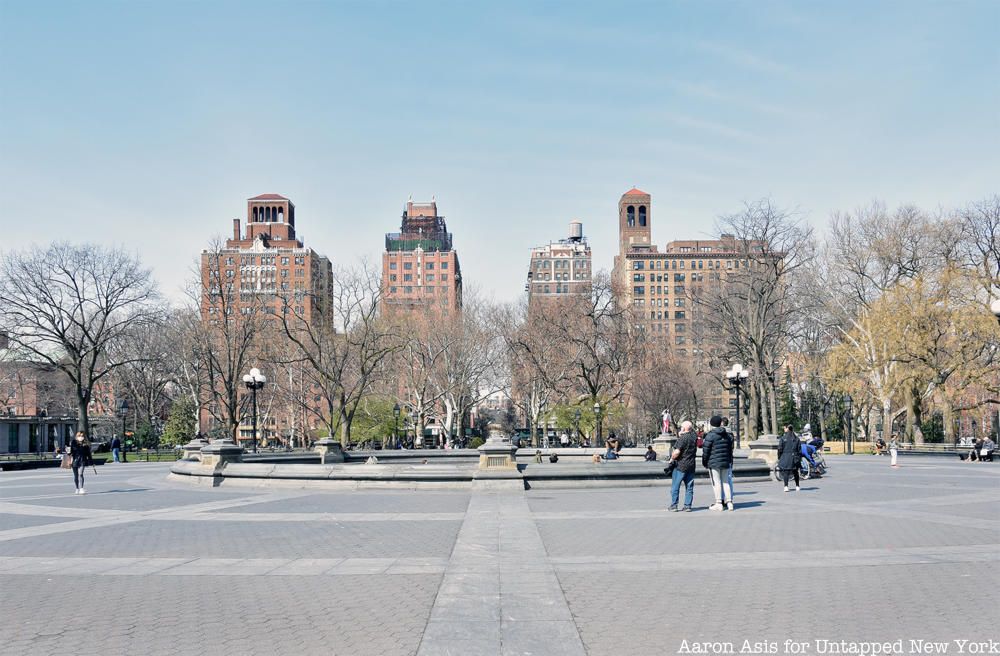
(737, 506)
(116, 491)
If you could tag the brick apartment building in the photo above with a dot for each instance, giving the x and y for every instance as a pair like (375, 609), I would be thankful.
(560, 268)
(38, 409)
(420, 268)
(660, 286)
(267, 268)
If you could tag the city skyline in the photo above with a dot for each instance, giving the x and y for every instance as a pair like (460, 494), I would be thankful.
(149, 125)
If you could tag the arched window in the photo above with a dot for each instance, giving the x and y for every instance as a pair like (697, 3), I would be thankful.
(630, 214)
(254, 219)
(281, 215)
(642, 216)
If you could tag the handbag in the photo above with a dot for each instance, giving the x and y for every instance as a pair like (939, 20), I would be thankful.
(669, 469)
(984, 452)
(67, 462)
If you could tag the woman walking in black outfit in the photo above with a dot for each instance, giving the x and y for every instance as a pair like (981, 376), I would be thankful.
(789, 453)
(81, 457)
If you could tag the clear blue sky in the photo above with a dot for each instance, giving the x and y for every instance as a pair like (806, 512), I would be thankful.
(148, 124)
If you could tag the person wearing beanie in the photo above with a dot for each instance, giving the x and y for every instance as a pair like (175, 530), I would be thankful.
(717, 458)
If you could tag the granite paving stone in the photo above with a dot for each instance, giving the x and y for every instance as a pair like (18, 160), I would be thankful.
(162, 568)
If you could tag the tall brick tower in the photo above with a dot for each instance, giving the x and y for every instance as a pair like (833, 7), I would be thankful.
(634, 219)
(635, 223)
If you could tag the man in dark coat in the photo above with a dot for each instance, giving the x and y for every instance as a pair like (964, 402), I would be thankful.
(717, 458)
(684, 452)
(789, 455)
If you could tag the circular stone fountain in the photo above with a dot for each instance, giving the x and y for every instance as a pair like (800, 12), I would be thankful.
(497, 464)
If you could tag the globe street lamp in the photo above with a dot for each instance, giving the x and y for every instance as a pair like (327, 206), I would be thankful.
(395, 431)
(849, 402)
(254, 381)
(736, 376)
(597, 418)
(123, 412)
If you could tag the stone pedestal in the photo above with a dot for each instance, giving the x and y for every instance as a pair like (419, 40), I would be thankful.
(192, 450)
(329, 450)
(217, 453)
(664, 445)
(766, 448)
(497, 454)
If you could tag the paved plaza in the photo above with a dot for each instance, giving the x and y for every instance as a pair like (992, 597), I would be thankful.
(141, 565)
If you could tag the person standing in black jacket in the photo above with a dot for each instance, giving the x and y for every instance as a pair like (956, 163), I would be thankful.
(717, 458)
(789, 456)
(80, 457)
(683, 454)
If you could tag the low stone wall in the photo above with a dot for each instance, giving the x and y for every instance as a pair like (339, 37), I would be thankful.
(571, 471)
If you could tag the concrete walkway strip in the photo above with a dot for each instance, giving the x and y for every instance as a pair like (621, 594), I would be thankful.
(489, 602)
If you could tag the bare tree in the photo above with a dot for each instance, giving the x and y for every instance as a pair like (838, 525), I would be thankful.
(867, 254)
(979, 225)
(233, 323)
(70, 305)
(345, 356)
(472, 367)
(187, 338)
(663, 381)
(147, 369)
(417, 364)
(750, 316)
(542, 367)
(605, 342)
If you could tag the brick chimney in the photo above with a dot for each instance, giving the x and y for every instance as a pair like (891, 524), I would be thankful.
(236, 229)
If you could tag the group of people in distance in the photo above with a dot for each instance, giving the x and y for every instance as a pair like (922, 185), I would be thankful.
(980, 450)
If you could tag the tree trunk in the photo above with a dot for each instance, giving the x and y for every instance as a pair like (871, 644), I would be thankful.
(753, 415)
(345, 433)
(765, 419)
(948, 413)
(775, 429)
(459, 433)
(886, 419)
(83, 415)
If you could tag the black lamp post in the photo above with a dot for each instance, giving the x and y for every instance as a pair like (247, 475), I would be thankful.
(995, 309)
(123, 412)
(736, 376)
(254, 381)
(395, 430)
(597, 417)
(849, 402)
